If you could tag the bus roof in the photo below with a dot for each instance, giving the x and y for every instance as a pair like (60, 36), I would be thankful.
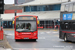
(68, 3)
(26, 15)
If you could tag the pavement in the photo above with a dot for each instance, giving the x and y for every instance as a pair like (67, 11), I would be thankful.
(4, 45)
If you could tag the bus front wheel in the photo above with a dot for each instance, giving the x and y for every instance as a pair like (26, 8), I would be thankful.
(16, 40)
(65, 38)
(34, 39)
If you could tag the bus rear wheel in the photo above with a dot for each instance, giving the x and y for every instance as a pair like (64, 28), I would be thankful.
(65, 38)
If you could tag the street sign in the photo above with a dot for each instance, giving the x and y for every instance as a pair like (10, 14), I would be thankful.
(1, 6)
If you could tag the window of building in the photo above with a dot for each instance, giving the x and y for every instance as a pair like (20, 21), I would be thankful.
(42, 8)
(27, 9)
(33, 8)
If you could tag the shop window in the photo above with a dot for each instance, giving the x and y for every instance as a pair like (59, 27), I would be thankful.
(27, 9)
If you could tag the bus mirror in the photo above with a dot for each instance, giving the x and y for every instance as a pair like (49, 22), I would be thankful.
(37, 22)
(13, 22)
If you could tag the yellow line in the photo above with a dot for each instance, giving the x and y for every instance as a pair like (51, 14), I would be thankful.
(56, 35)
(55, 30)
(70, 42)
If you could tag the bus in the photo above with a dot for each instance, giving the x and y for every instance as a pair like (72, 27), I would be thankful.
(67, 21)
(26, 27)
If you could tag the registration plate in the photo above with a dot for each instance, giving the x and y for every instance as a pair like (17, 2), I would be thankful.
(26, 38)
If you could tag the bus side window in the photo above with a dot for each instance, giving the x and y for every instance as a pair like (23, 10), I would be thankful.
(73, 26)
(62, 25)
(70, 25)
(66, 25)
(74, 7)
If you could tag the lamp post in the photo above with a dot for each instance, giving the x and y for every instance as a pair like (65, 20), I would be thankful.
(15, 13)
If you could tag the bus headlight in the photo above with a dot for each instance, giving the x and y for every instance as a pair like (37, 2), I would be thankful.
(17, 33)
(34, 33)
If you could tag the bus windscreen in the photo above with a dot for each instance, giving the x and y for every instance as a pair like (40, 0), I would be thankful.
(26, 26)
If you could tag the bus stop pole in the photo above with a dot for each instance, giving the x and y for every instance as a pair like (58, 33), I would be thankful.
(14, 15)
(54, 25)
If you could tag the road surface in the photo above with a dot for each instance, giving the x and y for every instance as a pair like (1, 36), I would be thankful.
(46, 40)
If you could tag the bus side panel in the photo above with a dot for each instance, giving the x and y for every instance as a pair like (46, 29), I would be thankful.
(61, 35)
(70, 36)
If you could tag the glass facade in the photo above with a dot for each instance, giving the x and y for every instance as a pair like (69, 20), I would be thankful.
(7, 24)
(47, 24)
(42, 8)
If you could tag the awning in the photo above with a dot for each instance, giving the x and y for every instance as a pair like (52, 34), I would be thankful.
(43, 2)
(7, 16)
(43, 15)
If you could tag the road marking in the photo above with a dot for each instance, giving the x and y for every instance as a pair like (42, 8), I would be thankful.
(10, 34)
(8, 49)
(55, 48)
(55, 32)
(56, 35)
(42, 32)
(41, 38)
(48, 32)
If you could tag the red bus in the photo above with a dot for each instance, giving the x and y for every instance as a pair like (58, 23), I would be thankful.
(26, 27)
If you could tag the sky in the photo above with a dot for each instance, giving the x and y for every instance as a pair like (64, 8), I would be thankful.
(9, 1)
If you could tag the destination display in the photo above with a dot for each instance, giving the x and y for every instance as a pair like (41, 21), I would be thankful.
(26, 18)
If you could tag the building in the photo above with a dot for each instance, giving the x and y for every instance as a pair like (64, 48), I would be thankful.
(11, 8)
(48, 12)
